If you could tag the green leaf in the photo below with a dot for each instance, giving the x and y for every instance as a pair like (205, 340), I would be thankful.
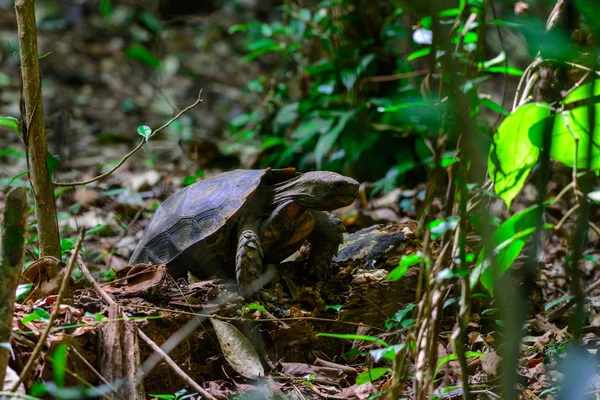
(492, 105)
(285, 116)
(387, 353)
(326, 141)
(151, 22)
(144, 131)
(557, 302)
(52, 163)
(256, 86)
(336, 307)
(513, 154)
(260, 47)
(509, 239)
(402, 106)
(371, 375)
(405, 263)
(23, 290)
(188, 180)
(106, 8)
(504, 23)
(348, 77)
(44, 55)
(143, 55)
(451, 357)
(37, 315)
(11, 122)
(272, 141)
(583, 92)
(439, 227)
(66, 244)
(571, 124)
(494, 61)
(504, 70)
(351, 336)
(253, 306)
(419, 53)
(241, 27)
(59, 363)
(400, 314)
(17, 176)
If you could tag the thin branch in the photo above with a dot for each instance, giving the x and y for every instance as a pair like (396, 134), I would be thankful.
(63, 288)
(135, 150)
(394, 77)
(174, 366)
(566, 216)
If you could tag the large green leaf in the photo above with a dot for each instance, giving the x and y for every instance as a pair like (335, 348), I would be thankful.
(583, 92)
(573, 126)
(513, 154)
(508, 240)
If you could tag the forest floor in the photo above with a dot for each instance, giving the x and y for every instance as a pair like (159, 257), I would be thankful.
(98, 90)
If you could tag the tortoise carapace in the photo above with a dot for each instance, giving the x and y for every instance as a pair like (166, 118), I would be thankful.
(242, 219)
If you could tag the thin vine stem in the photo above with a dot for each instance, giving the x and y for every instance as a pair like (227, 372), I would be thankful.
(132, 152)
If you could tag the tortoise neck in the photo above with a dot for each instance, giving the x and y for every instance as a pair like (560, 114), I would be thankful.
(285, 191)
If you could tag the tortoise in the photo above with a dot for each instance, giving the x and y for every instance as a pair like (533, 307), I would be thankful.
(240, 220)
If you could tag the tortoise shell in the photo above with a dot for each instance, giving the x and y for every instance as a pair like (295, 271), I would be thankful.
(200, 217)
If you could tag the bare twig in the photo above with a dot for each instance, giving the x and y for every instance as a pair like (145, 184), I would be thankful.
(394, 77)
(240, 319)
(135, 150)
(63, 288)
(566, 216)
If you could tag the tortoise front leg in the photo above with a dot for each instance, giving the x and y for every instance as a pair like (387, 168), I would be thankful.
(325, 240)
(249, 255)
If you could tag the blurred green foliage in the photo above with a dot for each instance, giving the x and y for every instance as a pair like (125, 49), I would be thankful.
(324, 106)
(347, 93)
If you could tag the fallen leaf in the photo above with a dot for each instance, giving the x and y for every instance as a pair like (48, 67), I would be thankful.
(237, 350)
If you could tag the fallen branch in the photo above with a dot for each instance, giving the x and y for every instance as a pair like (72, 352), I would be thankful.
(63, 288)
(135, 150)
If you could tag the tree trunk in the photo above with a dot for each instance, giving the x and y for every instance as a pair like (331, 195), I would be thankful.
(13, 253)
(33, 131)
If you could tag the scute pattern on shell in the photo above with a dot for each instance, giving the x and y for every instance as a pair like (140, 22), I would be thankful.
(195, 213)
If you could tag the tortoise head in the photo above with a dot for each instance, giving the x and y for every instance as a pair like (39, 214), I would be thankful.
(318, 190)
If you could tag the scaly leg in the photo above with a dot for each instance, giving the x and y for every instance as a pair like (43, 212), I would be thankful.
(249, 255)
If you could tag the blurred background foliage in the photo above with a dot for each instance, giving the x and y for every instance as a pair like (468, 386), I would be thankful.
(339, 85)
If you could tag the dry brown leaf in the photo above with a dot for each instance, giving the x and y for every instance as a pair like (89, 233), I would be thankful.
(490, 362)
(237, 350)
